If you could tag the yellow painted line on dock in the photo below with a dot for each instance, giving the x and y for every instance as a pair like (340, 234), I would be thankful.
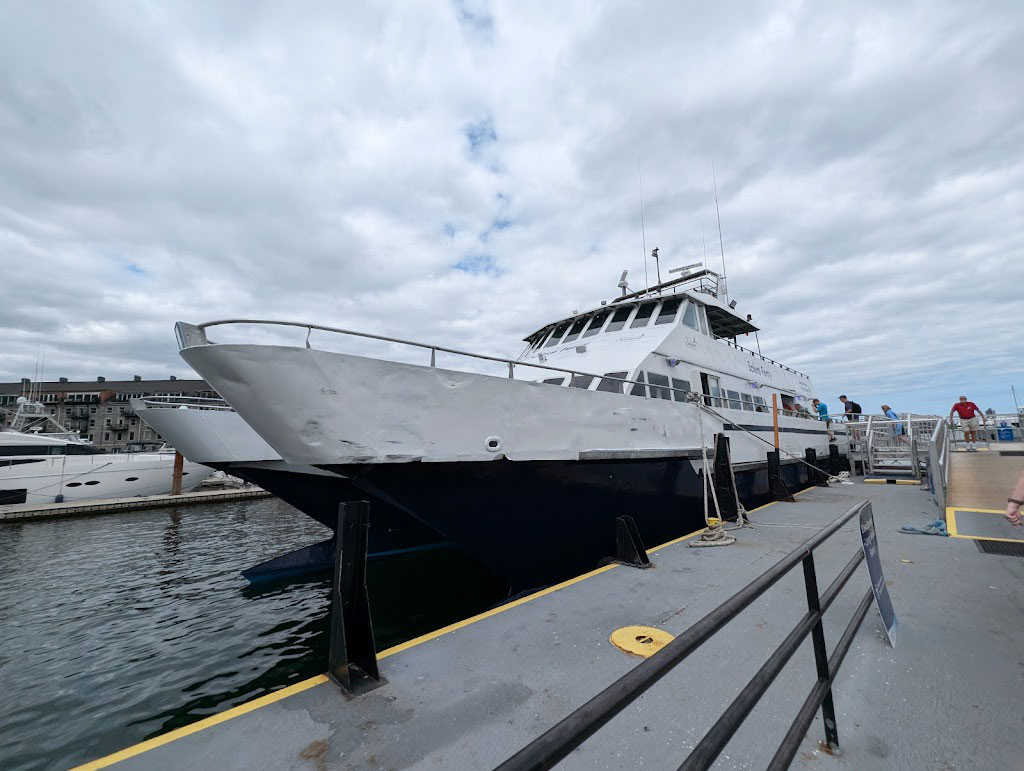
(291, 690)
(891, 482)
(954, 533)
(178, 733)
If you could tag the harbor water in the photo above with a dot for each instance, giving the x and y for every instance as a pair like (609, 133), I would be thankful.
(120, 627)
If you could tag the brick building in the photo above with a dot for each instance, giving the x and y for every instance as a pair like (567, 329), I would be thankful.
(99, 410)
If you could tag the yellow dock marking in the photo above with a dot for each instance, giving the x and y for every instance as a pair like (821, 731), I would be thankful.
(892, 482)
(220, 717)
(284, 693)
(954, 533)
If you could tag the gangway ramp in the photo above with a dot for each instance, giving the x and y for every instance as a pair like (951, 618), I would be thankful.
(979, 483)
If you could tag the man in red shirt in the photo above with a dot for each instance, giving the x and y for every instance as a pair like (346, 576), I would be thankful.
(970, 418)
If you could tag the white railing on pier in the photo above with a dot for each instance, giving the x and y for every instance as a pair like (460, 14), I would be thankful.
(938, 462)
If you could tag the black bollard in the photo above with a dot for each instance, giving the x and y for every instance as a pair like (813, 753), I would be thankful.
(725, 488)
(352, 657)
(629, 548)
(815, 475)
(777, 489)
(835, 460)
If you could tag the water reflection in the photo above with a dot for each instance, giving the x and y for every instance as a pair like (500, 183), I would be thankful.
(121, 627)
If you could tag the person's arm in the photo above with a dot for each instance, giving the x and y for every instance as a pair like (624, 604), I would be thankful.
(1013, 505)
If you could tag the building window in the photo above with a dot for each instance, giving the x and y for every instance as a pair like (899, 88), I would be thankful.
(106, 437)
(131, 436)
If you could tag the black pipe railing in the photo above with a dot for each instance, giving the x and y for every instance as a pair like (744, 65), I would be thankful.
(557, 742)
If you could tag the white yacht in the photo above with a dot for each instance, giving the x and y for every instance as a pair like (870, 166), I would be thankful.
(210, 432)
(606, 412)
(40, 466)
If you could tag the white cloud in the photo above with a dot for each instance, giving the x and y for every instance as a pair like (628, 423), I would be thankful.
(203, 161)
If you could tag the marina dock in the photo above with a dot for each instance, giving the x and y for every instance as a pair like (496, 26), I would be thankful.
(472, 694)
(31, 511)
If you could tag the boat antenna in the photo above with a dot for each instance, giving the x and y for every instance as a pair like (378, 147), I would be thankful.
(1015, 405)
(643, 230)
(703, 241)
(721, 243)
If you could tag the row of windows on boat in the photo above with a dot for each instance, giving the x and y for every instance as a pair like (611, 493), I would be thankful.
(48, 449)
(693, 316)
(662, 387)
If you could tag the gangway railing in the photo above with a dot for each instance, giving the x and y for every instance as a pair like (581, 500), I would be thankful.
(938, 462)
(556, 743)
(176, 402)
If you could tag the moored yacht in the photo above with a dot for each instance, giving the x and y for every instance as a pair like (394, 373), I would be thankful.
(606, 412)
(39, 466)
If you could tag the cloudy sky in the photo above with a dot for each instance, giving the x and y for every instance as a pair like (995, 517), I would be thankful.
(462, 173)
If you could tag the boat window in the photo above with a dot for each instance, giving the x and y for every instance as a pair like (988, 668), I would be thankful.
(555, 380)
(702, 316)
(612, 382)
(577, 327)
(131, 479)
(690, 316)
(659, 386)
(557, 334)
(734, 400)
(759, 403)
(667, 314)
(73, 484)
(92, 482)
(748, 402)
(639, 389)
(17, 495)
(712, 392)
(643, 315)
(581, 381)
(597, 323)
(619, 319)
(681, 388)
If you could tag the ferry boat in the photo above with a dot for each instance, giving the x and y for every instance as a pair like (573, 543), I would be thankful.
(609, 411)
(210, 432)
(42, 462)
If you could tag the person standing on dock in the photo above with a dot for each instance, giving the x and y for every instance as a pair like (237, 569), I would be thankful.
(853, 411)
(1015, 501)
(822, 410)
(970, 419)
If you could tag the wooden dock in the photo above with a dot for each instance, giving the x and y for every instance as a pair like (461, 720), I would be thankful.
(32, 511)
(984, 479)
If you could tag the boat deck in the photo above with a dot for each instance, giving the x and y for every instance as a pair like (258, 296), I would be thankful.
(469, 696)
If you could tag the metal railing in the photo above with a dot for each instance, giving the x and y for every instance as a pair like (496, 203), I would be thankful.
(938, 462)
(556, 743)
(728, 341)
(574, 374)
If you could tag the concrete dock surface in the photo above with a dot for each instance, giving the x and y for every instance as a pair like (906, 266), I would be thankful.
(948, 696)
(21, 512)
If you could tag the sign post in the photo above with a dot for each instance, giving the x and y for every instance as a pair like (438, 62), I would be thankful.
(869, 541)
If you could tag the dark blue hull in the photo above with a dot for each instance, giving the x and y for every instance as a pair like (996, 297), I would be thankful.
(538, 522)
(392, 531)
